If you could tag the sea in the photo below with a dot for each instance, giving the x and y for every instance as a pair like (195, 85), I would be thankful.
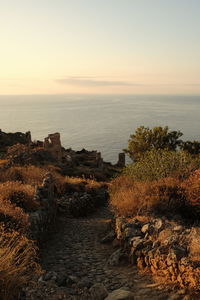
(99, 122)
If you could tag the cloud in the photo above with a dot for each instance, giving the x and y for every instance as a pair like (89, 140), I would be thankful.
(192, 84)
(90, 82)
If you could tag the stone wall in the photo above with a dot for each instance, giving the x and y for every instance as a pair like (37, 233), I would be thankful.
(52, 143)
(161, 247)
(42, 218)
(121, 160)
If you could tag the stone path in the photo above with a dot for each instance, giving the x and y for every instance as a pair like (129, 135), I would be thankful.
(75, 258)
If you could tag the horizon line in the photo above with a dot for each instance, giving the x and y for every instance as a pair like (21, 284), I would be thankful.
(103, 94)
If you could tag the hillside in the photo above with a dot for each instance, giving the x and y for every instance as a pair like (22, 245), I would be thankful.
(71, 231)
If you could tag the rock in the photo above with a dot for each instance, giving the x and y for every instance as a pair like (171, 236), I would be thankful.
(145, 228)
(115, 258)
(187, 297)
(181, 292)
(148, 229)
(120, 294)
(71, 280)
(178, 228)
(109, 237)
(130, 232)
(179, 251)
(116, 243)
(158, 224)
(118, 226)
(98, 292)
(136, 242)
(61, 279)
(49, 276)
(84, 283)
(174, 297)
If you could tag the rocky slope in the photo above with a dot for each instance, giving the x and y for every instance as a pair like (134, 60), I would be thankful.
(77, 262)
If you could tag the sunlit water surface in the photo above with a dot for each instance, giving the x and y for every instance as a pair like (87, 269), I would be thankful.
(102, 123)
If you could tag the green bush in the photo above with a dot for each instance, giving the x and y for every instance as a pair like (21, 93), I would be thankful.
(156, 164)
(145, 139)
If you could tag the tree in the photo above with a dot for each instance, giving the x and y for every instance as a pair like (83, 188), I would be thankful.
(192, 147)
(145, 139)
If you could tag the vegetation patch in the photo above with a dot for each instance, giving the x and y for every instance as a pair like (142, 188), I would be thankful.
(18, 263)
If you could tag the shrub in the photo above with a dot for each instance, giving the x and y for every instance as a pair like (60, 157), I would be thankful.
(33, 175)
(191, 188)
(194, 244)
(157, 164)
(19, 194)
(18, 263)
(3, 162)
(12, 216)
(77, 184)
(170, 197)
(192, 147)
(145, 139)
(129, 197)
(27, 174)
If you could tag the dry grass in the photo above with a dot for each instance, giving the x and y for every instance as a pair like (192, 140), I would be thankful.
(13, 216)
(194, 244)
(19, 194)
(77, 184)
(17, 263)
(129, 197)
(92, 183)
(3, 162)
(33, 175)
(191, 187)
(170, 195)
(28, 174)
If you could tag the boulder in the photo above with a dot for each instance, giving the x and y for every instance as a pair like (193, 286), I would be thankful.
(115, 258)
(98, 292)
(145, 228)
(120, 294)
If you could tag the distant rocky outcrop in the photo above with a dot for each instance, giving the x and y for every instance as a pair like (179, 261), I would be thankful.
(10, 139)
(19, 149)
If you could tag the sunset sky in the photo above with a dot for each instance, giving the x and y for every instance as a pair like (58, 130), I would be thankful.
(100, 46)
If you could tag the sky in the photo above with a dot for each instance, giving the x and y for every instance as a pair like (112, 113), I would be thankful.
(99, 46)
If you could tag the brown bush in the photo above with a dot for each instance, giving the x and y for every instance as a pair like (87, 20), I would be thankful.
(129, 197)
(3, 162)
(34, 175)
(27, 174)
(194, 244)
(171, 196)
(19, 194)
(17, 263)
(13, 216)
(77, 184)
(191, 188)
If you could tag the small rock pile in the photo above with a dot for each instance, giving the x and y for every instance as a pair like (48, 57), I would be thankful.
(80, 204)
(161, 247)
